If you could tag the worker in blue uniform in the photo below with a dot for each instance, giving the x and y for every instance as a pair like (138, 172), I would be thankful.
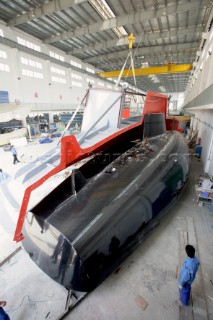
(14, 153)
(3, 176)
(3, 314)
(187, 274)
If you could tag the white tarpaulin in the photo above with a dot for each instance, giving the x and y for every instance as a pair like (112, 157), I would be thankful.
(9, 111)
(98, 108)
(6, 138)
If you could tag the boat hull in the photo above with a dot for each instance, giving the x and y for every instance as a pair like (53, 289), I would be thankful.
(89, 224)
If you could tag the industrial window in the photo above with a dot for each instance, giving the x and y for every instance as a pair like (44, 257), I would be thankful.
(76, 76)
(75, 64)
(58, 71)
(31, 63)
(3, 54)
(4, 67)
(56, 56)
(58, 80)
(28, 44)
(28, 73)
(32, 74)
(38, 75)
(90, 70)
(38, 65)
(24, 61)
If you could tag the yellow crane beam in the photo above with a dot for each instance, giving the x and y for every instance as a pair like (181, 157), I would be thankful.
(169, 68)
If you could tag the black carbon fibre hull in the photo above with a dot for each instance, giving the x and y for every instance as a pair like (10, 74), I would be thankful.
(79, 238)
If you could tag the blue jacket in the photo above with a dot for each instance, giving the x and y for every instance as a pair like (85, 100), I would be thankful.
(3, 176)
(3, 314)
(188, 271)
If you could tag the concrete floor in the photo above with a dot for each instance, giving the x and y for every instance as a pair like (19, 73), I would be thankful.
(150, 272)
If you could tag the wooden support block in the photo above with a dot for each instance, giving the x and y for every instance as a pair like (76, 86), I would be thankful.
(141, 302)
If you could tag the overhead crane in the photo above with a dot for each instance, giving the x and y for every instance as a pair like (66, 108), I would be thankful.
(168, 68)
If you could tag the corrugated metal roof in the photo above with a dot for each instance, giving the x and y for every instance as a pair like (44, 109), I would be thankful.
(165, 31)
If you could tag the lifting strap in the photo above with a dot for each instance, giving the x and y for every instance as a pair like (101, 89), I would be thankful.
(131, 40)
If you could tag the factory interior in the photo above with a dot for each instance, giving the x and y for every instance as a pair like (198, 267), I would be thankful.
(106, 159)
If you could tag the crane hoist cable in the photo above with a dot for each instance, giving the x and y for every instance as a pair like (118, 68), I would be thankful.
(131, 40)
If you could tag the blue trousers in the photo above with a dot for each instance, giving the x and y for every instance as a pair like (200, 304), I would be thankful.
(185, 294)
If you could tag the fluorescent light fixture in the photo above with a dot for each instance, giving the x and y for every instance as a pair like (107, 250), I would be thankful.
(106, 13)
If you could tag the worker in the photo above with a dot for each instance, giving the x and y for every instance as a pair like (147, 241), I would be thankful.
(187, 275)
(3, 314)
(14, 153)
(3, 176)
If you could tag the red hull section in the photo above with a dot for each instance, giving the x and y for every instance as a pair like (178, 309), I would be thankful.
(172, 124)
(155, 103)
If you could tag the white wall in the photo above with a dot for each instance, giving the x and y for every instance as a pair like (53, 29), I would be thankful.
(198, 98)
(178, 97)
(201, 76)
(24, 88)
(203, 122)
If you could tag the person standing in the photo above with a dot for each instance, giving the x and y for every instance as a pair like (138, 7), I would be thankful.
(14, 153)
(3, 314)
(187, 275)
(3, 176)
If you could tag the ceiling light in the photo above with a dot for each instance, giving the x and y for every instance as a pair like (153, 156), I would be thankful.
(31, 13)
(106, 13)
